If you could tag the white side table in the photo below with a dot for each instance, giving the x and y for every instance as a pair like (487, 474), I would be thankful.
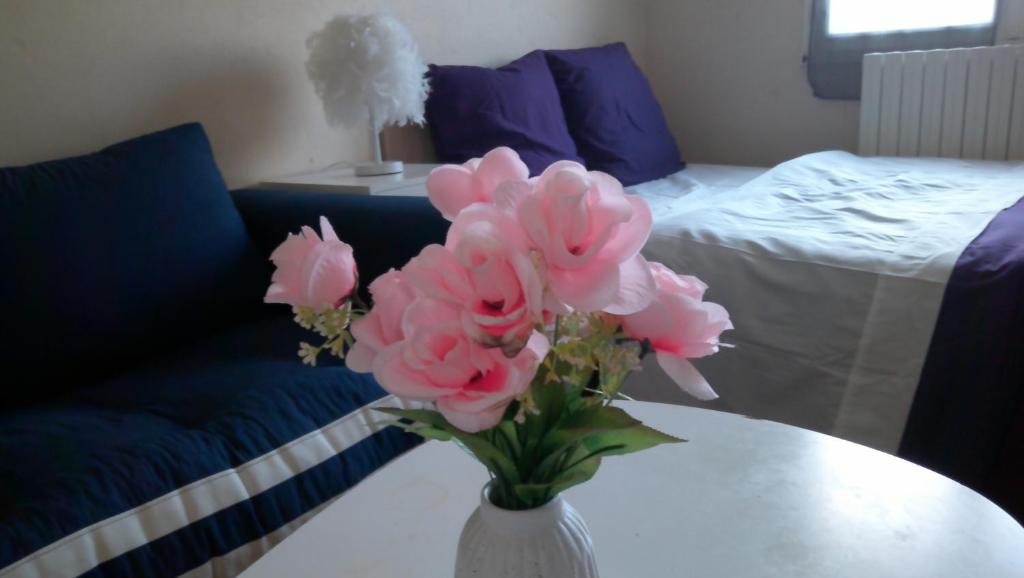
(412, 182)
(744, 498)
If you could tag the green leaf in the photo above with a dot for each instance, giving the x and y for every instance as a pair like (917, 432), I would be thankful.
(549, 401)
(538, 494)
(489, 455)
(587, 422)
(592, 429)
(505, 434)
(602, 418)
(628, 440)
(477, 444)
(431, 433)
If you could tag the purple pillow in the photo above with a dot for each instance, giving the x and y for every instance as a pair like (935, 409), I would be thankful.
(612, 114)
(472, 110)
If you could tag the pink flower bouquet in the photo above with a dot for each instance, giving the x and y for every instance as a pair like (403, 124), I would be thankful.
(520, 330)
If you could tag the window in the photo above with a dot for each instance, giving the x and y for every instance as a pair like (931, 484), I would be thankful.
(876, 16)
(843, 31)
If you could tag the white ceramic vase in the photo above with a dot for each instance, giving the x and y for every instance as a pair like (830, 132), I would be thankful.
(551, 541)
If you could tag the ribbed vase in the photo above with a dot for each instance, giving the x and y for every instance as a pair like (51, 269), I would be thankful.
(551, 541)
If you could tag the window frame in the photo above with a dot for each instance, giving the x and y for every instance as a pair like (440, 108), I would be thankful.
(834, 62)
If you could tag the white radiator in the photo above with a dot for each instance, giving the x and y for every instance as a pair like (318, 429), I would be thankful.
(964, 102)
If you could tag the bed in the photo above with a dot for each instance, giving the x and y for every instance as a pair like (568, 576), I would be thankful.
(876, 297)
(834, 268)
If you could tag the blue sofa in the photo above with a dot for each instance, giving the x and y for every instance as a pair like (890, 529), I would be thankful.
(156, 420)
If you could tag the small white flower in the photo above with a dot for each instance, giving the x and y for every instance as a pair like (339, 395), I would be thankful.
(308, 353)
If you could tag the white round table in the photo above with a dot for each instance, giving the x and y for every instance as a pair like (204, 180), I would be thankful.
(744, 498)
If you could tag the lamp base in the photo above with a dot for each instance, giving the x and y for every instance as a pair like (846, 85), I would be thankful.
(381, 168)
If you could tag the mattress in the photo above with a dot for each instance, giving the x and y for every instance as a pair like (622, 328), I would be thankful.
(696, 182)
(833, 268)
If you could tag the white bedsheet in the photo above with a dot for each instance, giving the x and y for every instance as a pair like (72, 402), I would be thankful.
(833, 268)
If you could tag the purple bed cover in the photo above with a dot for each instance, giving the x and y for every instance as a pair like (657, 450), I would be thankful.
(966, 420)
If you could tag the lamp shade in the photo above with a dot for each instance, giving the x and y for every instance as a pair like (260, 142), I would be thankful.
(367, 68)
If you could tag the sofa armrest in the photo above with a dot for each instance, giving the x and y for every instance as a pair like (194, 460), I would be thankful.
(384, 232)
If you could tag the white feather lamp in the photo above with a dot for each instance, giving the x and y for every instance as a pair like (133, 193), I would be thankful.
(367, 68)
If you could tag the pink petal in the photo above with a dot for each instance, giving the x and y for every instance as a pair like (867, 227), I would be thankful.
(609, 205)
(536, 350)
(685, 375)
(391, 296)
(450, 188)
(589, 289)
(327, 230)
(469, 401)
(557, 167)
(653, 322)
(292, 250)
(427, 312)
(328, 273)
(532, 284)
(367, 329)
(701, 325)
(360, 357)
(487, 220)
(636, 287)
(437, 273)
(631, 236)
(390, 370)
(280, 294)
(470, 421)
(556, 215)
(669, 282)
(310, 235)
(531, 214)
(509, 194)
(497, 166)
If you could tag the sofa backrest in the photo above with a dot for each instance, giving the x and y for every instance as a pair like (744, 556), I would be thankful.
(112, 256)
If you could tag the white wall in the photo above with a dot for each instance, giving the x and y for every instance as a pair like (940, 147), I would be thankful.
(76, 75)
(1011, 22)
(730, 78)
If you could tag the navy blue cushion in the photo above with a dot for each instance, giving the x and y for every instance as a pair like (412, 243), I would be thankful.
(472, 110)
(612, 114)
(196, 412)
(116, 254)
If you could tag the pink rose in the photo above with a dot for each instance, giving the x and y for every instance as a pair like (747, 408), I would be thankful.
(382, 326)
(590, 234)
(671, 282)
(453, 187)
(439, 362)
(485, 271)
(680, 327)
(312, 272)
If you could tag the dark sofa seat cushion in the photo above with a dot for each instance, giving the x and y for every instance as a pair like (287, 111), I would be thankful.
(113, 255)
(205, 450)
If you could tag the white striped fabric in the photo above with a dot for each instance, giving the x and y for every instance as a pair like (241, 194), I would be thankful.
(115, 536)
(236, 561)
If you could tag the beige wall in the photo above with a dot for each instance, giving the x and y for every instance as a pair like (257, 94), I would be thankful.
(76, 75)
(730, 78)
(1011, 22)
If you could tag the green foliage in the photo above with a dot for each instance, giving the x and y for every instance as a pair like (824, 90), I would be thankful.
(555, 436)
